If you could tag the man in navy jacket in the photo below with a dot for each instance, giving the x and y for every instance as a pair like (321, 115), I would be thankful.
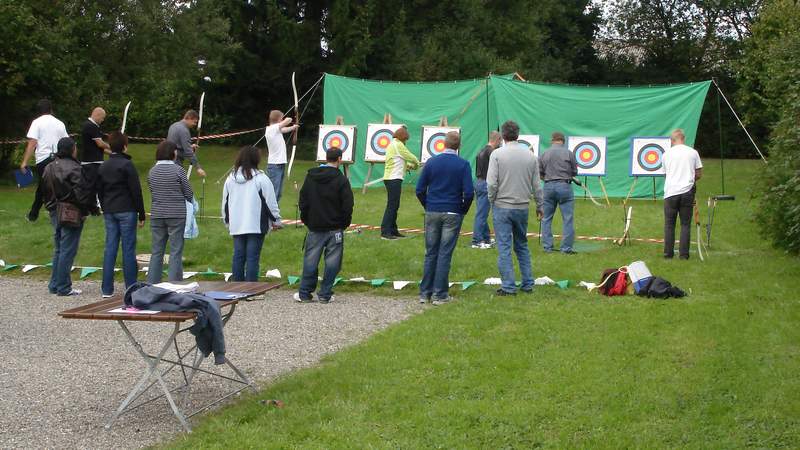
(445, 190)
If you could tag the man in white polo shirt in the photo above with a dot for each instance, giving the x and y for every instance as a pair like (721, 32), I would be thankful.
(43, 136)
(683, 169)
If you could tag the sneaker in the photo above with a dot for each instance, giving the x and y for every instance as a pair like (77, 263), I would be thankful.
(569, 252)
(424, 299)
(31, 217)
(492, 242)
(400, 236)
(328, 300)
(487, 246)
(478, 245)
(502, 293)
(388, 237)
(442, 301)
(297, 298)
(108, 295)
(71, 293)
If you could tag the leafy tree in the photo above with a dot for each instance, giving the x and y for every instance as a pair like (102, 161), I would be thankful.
(770, 75)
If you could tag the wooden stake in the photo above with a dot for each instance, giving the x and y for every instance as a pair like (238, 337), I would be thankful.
(443, 121)
(630, 191)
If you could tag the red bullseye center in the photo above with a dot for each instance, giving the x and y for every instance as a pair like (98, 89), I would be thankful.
(383, 142)
(336, 142)
(651, 157)
(586, 155)
(439, 146)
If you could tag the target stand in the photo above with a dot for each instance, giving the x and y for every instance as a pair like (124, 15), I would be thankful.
(378, 138)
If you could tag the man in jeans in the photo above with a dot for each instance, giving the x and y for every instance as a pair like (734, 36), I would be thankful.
(445, 190)
(557, 167)
(326, 208)
(481, 237)
(512, 178)
(683, 168)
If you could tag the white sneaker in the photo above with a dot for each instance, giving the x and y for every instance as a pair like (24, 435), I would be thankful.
(330, 300)
(108, 295)
(73, 293)
(479, 245)
(297, 298)
(423, 300)
(442, 301)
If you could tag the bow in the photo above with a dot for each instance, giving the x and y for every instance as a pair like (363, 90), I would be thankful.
(296, 122)
(199, 126)
(125, 118)
(586, 188)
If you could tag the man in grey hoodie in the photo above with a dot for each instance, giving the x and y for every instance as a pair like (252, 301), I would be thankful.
(512, 178)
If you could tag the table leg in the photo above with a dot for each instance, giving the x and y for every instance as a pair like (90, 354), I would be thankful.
(152, 364)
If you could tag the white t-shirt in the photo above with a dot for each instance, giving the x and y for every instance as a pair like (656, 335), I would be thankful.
(680, 162)
(47, 130)
(276, 144)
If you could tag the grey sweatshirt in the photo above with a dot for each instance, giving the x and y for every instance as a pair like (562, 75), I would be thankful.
(180, 135)
(558, 163)
(513, 177)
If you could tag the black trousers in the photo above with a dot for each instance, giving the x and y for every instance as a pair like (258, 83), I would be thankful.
(393, 190)
(91, 172)
(38, 198)
(678, 206)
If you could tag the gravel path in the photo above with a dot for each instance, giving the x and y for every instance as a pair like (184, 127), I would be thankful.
(60, 379)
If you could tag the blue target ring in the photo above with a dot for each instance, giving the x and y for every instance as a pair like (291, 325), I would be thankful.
(587, 155)
(650, 157)
(435, 145)
(336, 139)
(380, 140)
(525, 143)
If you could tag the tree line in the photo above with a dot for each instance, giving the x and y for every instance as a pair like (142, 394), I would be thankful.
(162, 54)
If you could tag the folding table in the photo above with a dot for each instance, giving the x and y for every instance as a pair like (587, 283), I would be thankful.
(102, 311)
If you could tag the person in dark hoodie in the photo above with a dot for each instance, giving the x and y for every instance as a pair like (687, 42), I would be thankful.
(326, 208)
(249, 210)
(63, 182)
(120, 195)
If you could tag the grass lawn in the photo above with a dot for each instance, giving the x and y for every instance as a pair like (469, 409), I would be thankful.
(559, 368)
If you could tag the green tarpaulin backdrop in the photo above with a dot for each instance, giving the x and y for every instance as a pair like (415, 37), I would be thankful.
(618, 113)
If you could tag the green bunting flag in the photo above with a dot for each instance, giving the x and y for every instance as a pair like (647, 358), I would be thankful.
(292, 279)
(86, 271)
(378, 282)
(209, 272)
(9, 267)
(563, 284)
(337, 280)
(467, 284)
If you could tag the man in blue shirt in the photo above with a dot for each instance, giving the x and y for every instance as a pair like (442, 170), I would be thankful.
(445, 190)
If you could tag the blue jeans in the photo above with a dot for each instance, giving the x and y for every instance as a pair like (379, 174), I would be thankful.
(332, 242)
(441, 237)
(163, 229)
(480, 230)
(510, 228)
(65, 247)
(119, 226)
(558, 194)
(275, 172)
(246, 254)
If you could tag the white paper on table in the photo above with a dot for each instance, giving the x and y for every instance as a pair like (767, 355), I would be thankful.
(227, 275)
(397, 285)
(180, 288)
(493, 281)
(136, 311)
(541, 281)
(274, 273)
(587, 285)
(29, 267)
(189, 274)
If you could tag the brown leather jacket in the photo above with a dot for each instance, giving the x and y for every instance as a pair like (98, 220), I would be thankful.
(63, 181)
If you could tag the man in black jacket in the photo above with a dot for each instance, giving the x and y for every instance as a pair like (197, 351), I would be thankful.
(326, 208)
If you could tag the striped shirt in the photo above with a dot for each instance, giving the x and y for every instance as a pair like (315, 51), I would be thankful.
(170, 190)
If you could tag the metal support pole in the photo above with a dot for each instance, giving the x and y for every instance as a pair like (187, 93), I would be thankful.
(721, 148)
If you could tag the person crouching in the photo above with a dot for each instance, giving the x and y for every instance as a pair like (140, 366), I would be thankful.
(326, 208)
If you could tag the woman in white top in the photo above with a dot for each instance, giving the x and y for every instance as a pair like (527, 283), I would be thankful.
(249, 210)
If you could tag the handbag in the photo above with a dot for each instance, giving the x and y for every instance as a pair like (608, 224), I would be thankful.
(67, 214)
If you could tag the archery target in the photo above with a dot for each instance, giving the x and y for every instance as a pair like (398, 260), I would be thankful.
(342, 137)
(433, 141)
(590, 153)
(531, 141)
(379, 136)
(647, 155)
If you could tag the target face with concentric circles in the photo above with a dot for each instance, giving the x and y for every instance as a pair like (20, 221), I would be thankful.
(435, 145)
(336, 139)
(587, 155)
(649, 157)
(380, 140)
